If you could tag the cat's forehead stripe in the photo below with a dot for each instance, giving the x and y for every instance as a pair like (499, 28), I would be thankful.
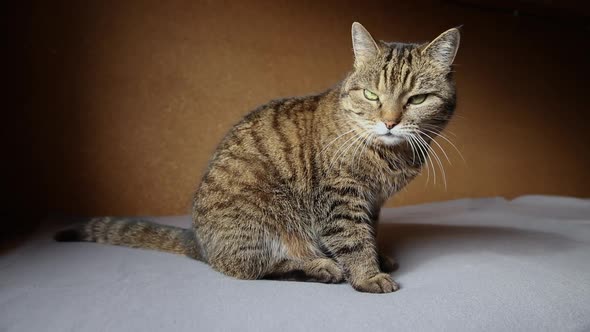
(382, 80)
(389, 68)
(388, 57)
(399, 60)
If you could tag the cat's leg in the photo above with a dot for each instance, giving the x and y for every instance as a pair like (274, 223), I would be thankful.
(259, 253)
(258, 262)
(240, 254)
(386, 263)
(350, 238)
(319, 269)
(249, 266)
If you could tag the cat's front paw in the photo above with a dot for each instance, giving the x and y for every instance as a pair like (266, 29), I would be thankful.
(379, 283)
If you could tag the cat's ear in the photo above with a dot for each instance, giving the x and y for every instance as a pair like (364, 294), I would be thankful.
(443, 49)
(365, 47)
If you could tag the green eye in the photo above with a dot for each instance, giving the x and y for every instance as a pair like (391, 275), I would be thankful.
(417, 99)
(370, 95)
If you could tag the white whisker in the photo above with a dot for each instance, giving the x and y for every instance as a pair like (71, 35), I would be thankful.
(335, 139)
(343, 150)
(358, 141)
(449, 141)
(437, 129)
(421, 152)
(438, 161)
(364, 147)
(339, 150)
(435, 142)
(407, 135)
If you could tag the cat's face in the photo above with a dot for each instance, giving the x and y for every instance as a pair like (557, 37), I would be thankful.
(400, 91)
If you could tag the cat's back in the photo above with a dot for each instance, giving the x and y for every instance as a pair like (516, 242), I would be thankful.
(270, 151)
(279, 115)
(279, 125)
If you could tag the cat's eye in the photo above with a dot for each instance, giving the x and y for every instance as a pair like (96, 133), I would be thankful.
(417, 99)
(370, 95)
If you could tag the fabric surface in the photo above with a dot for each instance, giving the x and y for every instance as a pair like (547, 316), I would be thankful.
(465, 265)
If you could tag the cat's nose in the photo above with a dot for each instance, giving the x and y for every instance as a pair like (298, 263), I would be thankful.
(389, 123)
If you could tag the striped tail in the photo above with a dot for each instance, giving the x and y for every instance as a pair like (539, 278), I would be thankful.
(135, 234)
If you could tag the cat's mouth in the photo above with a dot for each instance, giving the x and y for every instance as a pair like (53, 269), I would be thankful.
(390, 139)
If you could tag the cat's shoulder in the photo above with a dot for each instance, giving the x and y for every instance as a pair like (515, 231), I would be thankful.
(288, 105)
(300, 103)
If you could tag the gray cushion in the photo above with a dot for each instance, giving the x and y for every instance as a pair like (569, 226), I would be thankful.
(465, 265)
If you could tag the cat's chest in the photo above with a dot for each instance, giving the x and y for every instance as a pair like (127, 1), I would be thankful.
(386, 181)
(386, 174)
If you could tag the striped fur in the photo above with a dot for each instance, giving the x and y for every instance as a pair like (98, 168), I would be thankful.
(296, 187)
(134, 233)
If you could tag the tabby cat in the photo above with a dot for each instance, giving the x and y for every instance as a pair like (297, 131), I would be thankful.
(294, 190)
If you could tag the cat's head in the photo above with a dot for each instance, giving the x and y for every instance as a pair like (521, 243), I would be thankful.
(397, 90)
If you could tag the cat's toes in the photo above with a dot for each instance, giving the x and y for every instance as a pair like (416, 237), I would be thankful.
(327, 271)
(387, 264)
(380, 283)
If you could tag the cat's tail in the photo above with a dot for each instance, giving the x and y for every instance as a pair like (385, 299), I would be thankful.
(135, 234)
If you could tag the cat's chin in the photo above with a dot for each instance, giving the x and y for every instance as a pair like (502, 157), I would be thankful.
(390, 140)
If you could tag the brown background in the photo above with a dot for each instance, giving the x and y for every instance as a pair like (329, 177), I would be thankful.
(114, 107)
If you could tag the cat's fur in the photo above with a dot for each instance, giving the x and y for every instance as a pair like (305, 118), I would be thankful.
(296, 187)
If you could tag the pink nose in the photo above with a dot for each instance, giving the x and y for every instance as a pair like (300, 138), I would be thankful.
(389, 124)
